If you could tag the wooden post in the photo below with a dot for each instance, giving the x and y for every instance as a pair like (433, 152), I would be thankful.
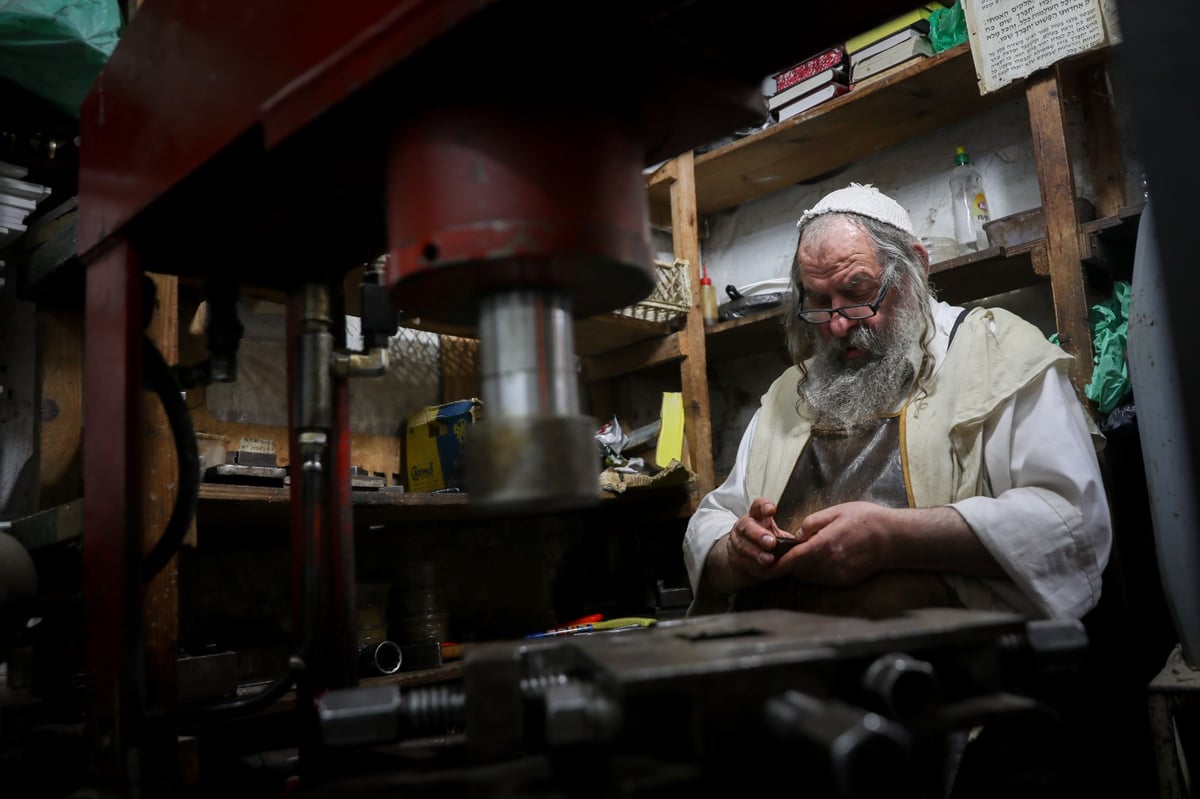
(161, 481)
(693, 369)
(1047, 119)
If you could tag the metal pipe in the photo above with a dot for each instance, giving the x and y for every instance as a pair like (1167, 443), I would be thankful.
(532, 450)
(383, 657)
(314, 408)
(868, 754)
(527, 354)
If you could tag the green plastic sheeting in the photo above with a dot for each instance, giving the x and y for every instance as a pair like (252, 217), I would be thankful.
(1110, 329)
(947, 28)
(55, 48)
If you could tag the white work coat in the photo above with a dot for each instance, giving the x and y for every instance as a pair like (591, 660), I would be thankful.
(1001, 437)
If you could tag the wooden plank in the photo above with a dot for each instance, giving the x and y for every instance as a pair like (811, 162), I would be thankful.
(693, 371)
(757, 333)
(982, 274)
(608, 332)
(928, 94)
(593, 334)
(642, 355)
(160, 478)
(239, 506)
(1047, 120)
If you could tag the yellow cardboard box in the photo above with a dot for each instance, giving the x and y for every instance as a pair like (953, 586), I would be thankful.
(433, 445)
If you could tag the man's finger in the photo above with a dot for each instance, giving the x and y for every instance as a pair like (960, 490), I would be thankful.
(762, 508)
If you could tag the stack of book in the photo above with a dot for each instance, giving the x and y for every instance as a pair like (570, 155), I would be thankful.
(809, 83)
(897, 41)
(18, 199)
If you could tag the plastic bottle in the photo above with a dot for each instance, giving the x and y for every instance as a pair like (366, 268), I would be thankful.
(708, 297)
(968, 202)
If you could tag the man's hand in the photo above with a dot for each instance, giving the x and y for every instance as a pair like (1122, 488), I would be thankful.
(744, 556)
(844, 544)
(840, 545)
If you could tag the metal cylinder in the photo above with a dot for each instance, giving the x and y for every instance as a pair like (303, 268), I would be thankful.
(504, 195)
(533, 463)
(905, 686)
(381, 657)
(532, 450)
(314, 392)
(527, 354)
(869, 756)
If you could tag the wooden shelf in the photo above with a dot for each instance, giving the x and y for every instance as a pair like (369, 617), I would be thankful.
(269, 505)
(245, 504)
(756, 333)
(985, 273)
(594, 335)
(922, 97)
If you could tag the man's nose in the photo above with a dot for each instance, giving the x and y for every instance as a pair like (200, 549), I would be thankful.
(840, 326)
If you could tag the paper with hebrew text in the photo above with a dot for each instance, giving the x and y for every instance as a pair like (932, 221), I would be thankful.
(1012, 39)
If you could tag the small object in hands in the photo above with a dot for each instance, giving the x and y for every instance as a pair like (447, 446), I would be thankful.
(784, 545)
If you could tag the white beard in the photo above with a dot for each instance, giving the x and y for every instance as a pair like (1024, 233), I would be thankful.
(845, 394)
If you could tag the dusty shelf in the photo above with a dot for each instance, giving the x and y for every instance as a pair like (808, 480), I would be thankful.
(930, 93)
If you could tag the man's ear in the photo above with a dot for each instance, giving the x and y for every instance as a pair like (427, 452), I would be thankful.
(922, 252)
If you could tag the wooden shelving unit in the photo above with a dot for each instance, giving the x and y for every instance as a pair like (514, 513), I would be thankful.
(897, 108)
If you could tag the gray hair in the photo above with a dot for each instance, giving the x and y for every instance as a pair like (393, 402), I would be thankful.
(903, 266)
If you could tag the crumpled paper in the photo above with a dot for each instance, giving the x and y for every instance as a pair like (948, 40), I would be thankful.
(673, 474)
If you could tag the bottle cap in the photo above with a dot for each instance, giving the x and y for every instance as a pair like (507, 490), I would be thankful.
(960, 155)
(705, 280)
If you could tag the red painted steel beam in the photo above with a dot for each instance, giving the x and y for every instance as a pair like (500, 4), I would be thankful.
(112, 509)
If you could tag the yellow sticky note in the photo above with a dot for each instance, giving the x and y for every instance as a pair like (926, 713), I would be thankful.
(670, 437)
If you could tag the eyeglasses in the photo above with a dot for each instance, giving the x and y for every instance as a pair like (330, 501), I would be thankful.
(865, 310)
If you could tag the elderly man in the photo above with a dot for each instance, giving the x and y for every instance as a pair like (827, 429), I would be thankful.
(919, 455)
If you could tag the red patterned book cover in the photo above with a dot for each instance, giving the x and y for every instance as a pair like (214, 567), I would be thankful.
(809, 67)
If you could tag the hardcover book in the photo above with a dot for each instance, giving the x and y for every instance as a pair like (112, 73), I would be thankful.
(899, 37)
(896, 54)
(838, 74)
(812, 99)
(919, 14)
(810, 66)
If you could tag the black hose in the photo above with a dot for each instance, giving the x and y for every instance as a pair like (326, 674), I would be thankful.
(158, 378)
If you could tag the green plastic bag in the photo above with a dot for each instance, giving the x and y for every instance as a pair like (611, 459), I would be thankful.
(55, 49)
(947, 27)
(1110, 331)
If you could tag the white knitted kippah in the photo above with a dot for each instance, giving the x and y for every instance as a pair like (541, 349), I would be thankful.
(859, 199)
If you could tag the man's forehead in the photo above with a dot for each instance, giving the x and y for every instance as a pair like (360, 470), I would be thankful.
(843, 263)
